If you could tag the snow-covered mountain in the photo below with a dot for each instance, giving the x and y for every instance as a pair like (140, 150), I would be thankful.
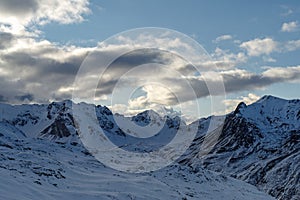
(42, 154)
(259, 144)
(41, 157)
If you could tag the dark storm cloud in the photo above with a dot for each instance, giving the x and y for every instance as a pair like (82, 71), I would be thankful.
(32, 68)
(50, 66)
(28, 97)
(254, 81)
(142, 56)
(43, 66)
(249, 81)
(123, 64)
(62, 96)
(5, 39)
(42, 70)
(19, 59)
(132, 59)
(10, 89)
(233, 81)
(2, 99)
(157, 56)
(106, 87)
(30, 73)
(18, 7)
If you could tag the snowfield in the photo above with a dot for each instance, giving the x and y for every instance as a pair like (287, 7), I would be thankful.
(41, 169)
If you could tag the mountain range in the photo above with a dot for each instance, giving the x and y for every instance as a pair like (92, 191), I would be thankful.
(255, 156)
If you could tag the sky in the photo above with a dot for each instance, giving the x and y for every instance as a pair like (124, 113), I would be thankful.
(253, 46)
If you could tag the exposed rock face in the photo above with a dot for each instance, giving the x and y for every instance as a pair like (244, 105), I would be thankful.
(259, 144)
(56, 129)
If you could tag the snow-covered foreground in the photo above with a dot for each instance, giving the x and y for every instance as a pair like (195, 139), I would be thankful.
(40, 169)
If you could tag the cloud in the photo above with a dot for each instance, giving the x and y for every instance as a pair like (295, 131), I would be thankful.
(20, 9)
(38, 68)
(16, 16)
(234, 80)
(224, 60)
(178, 91)
(266, 46)
(26, 97)
(120, 108)
(238, 80)
(6, 40)
(222, 38)
(45, 70)
(268, 59)
(148, 101)
(290, 26)
(282, 74)
(291, 45)
(259, 47)
(242, 80)
(287, 11)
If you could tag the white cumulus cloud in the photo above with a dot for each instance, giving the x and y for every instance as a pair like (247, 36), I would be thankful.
(290, 26)
(266, 46)
(222, 37)
(259, 46)
(16, 16)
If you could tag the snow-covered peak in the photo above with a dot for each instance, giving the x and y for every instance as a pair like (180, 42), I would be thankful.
(146, 117)
(241, 106)
(272, 112)
(260, 144)
(270, 98)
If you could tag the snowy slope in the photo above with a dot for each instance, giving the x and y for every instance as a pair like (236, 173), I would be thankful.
(33, 168)
(259, 144)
